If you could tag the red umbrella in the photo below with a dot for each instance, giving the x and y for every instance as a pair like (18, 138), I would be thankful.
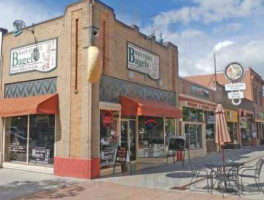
(222, 135)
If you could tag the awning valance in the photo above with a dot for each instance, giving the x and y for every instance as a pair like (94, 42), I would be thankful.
(44, 104)
(131, 106)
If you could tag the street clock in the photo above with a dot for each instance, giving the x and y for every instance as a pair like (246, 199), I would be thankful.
(234, 72)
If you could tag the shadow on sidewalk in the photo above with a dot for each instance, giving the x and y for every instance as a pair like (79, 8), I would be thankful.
(46, 189)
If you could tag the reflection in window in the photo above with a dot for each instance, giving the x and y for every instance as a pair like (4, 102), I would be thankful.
(151, 137)
(193, 134)
(108, 136)
(16, 139)
(192, 114)
(41, 139)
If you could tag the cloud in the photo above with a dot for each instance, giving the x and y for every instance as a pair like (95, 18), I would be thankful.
(28, 11)
(221, 45)
(208, 11)
(249, 54)
(227, 28)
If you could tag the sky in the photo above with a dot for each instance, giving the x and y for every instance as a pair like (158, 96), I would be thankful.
(232, 29)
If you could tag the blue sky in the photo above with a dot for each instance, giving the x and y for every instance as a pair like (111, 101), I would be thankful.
(231, 28)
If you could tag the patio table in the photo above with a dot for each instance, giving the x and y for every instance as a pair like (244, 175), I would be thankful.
(218, 171)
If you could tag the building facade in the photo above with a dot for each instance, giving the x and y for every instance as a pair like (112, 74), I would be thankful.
(249, 113)
(54, 121)
(197, 124)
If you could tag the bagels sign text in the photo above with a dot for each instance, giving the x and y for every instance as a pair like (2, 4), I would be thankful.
(142, 61)
(24, 59)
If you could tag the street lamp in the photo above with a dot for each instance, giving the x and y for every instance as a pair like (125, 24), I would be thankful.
(19, 26)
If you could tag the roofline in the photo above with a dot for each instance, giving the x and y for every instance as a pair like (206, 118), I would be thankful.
(196, 83)
(42, 22)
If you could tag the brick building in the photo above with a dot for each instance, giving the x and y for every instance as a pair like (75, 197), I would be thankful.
(198, 104)
(250, 111)
(54, 121)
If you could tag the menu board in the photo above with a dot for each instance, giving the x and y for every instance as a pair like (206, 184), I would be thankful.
(121, 155)
(40, 155)
(108, 153)
(176, 144)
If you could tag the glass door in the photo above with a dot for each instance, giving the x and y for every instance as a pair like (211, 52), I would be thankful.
(193, 134)
(128, 137)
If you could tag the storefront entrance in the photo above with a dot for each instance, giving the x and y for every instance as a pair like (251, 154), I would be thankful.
(128, 136)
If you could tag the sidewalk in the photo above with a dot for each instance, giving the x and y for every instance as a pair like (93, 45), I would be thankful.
(96, 190)
(163, 182)
(178, 176)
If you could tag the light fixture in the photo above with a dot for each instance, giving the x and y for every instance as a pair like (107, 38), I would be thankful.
(19, 25)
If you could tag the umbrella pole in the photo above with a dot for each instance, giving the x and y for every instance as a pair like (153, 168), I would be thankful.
(223, 154)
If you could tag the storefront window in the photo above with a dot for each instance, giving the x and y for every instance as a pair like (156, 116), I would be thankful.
(186, 114)
(40, 139)
(192, 114)
(232, 128)
(193, 134)
(151, 137)
(170, 127)
(16, 139)
(210, 121)
(109, 139)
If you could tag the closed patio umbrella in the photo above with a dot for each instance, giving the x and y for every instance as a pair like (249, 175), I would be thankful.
(222, 135)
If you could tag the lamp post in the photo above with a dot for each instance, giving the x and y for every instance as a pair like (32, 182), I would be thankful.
(19, 26)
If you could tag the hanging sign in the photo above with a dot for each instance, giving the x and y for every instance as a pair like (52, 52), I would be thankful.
(234, 72)
(235, 86)
(235, 95)
(24, 59)
(142, 61)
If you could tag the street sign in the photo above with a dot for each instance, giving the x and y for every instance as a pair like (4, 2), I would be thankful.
(235, 95)
(235, 86)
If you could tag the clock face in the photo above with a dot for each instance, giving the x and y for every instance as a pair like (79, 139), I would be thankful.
(234, 72)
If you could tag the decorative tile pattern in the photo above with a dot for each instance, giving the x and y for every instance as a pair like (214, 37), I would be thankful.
(111, 89)
(31, 88)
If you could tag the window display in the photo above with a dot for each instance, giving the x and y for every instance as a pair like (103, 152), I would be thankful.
(41, 139)
(151, 137)
(108, 137)
(33, 147)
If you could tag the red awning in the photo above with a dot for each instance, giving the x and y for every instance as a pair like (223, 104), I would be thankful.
(44, 104)
(141, 107)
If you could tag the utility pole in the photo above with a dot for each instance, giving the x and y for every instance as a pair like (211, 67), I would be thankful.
(216, 83)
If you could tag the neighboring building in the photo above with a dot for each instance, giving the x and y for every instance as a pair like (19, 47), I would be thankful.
(251, 115)
(54, 121)
(198, 106)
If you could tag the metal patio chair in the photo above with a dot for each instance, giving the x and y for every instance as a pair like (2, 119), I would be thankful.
(256, 175)
(199, 173)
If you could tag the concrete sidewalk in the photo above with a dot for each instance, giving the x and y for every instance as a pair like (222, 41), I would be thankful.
(95, 190)
(178, 176)
(162, 182)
